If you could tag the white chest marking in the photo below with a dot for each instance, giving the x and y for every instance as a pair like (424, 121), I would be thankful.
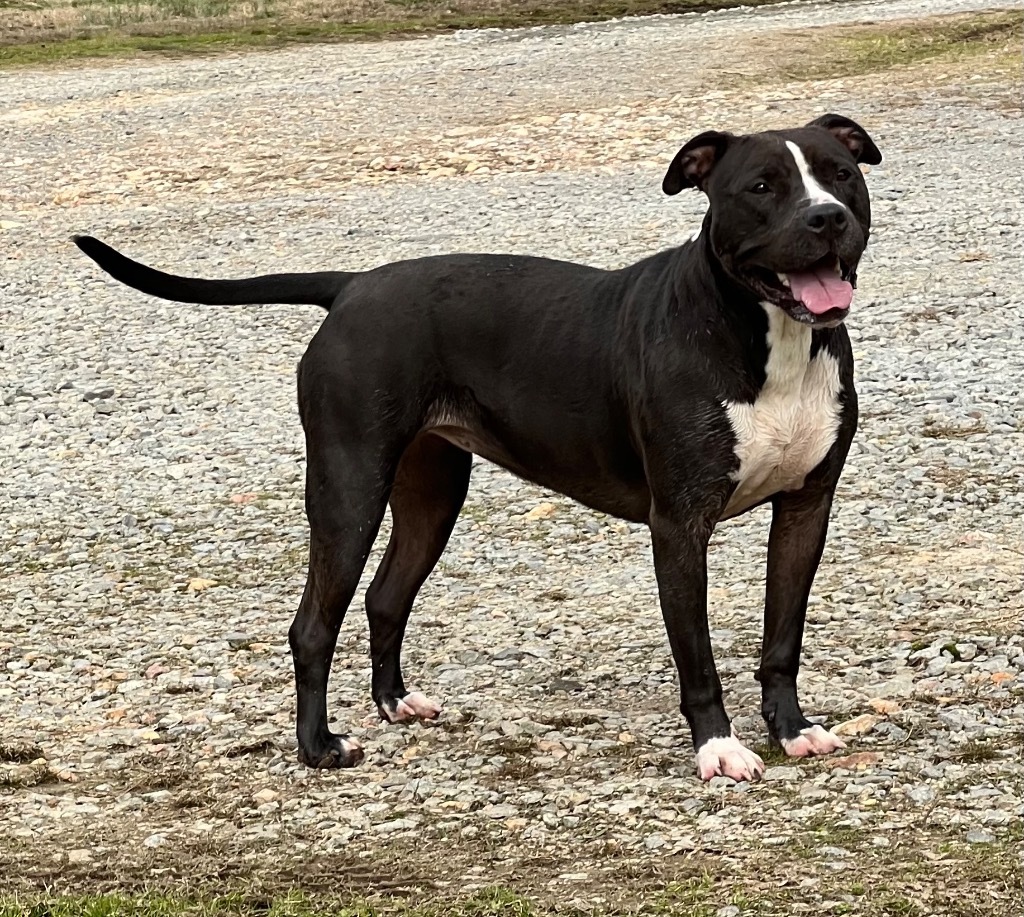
(814, 192)
(788, 430)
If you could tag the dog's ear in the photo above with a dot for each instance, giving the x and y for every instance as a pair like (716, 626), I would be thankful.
(852, 136)
(694, 162)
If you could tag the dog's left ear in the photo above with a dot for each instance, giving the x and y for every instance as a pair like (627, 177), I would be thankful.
(852, 136)
(694, 162)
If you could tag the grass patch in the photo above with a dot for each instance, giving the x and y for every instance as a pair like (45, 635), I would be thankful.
(974, 752)
(45, 31)
(497, 901)
(19, 752)
(873, 884)
(870, 49)
(773, 754)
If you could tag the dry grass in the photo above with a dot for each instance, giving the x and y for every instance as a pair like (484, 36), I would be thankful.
(957, 39)
(38, 21)
(923, 871)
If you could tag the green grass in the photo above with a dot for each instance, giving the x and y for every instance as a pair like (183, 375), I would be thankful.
(491, 903)
(691, 898)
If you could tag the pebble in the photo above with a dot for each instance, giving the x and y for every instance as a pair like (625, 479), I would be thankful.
(781, 774)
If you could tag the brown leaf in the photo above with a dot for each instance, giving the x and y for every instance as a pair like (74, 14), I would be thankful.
(855, 761)
(858, 726)
(541, 511)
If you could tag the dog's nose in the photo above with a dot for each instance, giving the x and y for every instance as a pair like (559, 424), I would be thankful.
(826, 219)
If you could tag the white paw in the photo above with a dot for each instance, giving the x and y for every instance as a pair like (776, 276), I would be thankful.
(728, 757)
(352, 746)
(812, 741)
(414, 706)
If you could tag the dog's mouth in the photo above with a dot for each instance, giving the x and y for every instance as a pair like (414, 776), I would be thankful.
(818, 295)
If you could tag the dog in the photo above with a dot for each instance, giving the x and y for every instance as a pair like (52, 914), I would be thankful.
(684, 389)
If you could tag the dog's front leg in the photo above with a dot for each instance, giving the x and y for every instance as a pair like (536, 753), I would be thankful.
(680, 562)
(795, 545)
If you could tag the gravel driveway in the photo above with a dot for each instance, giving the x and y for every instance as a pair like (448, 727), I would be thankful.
(151, 467)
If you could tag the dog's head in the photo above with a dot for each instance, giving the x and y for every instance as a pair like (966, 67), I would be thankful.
(789, 214)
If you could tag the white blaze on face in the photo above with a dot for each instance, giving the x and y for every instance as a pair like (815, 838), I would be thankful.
(814, 192)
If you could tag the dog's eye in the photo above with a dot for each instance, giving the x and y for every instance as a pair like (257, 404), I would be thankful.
(760, 188)
(844, 175)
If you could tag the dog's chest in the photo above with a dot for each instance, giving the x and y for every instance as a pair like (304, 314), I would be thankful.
(789, 428)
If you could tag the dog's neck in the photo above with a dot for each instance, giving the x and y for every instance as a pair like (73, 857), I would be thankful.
(700, 257)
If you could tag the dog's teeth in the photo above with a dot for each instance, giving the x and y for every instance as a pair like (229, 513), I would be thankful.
(783, 279)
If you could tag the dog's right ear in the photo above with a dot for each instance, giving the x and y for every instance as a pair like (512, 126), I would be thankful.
(694, 162)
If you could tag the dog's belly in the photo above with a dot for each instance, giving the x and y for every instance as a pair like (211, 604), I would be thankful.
(580, 478)
(787, 431)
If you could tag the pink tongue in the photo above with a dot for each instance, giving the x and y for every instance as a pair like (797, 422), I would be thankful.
(821, 290)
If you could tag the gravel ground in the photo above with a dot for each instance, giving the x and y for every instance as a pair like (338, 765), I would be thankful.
(151, 469)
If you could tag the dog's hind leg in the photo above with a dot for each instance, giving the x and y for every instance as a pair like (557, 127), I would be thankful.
(429, 490)
(346, 493)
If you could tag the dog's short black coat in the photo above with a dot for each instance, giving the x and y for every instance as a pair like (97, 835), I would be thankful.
(677, 391)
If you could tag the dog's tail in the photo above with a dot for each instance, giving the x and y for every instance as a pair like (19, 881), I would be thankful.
(317, 289)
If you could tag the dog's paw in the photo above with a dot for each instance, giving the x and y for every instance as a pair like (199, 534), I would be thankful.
(337, 751)
(414, 706)
(728, 757)
(815, 740)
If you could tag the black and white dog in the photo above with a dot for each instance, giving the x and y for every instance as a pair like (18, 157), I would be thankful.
(679, 391)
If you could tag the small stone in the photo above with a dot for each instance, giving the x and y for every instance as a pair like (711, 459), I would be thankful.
(394, 826)
(79, 856)
(779, 774)
(565, 685)
(225, 680)
(155, 840)
(838, 852)
(977, 836)
(920, 794)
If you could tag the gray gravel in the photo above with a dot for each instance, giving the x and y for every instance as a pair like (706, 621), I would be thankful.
(151, 465)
